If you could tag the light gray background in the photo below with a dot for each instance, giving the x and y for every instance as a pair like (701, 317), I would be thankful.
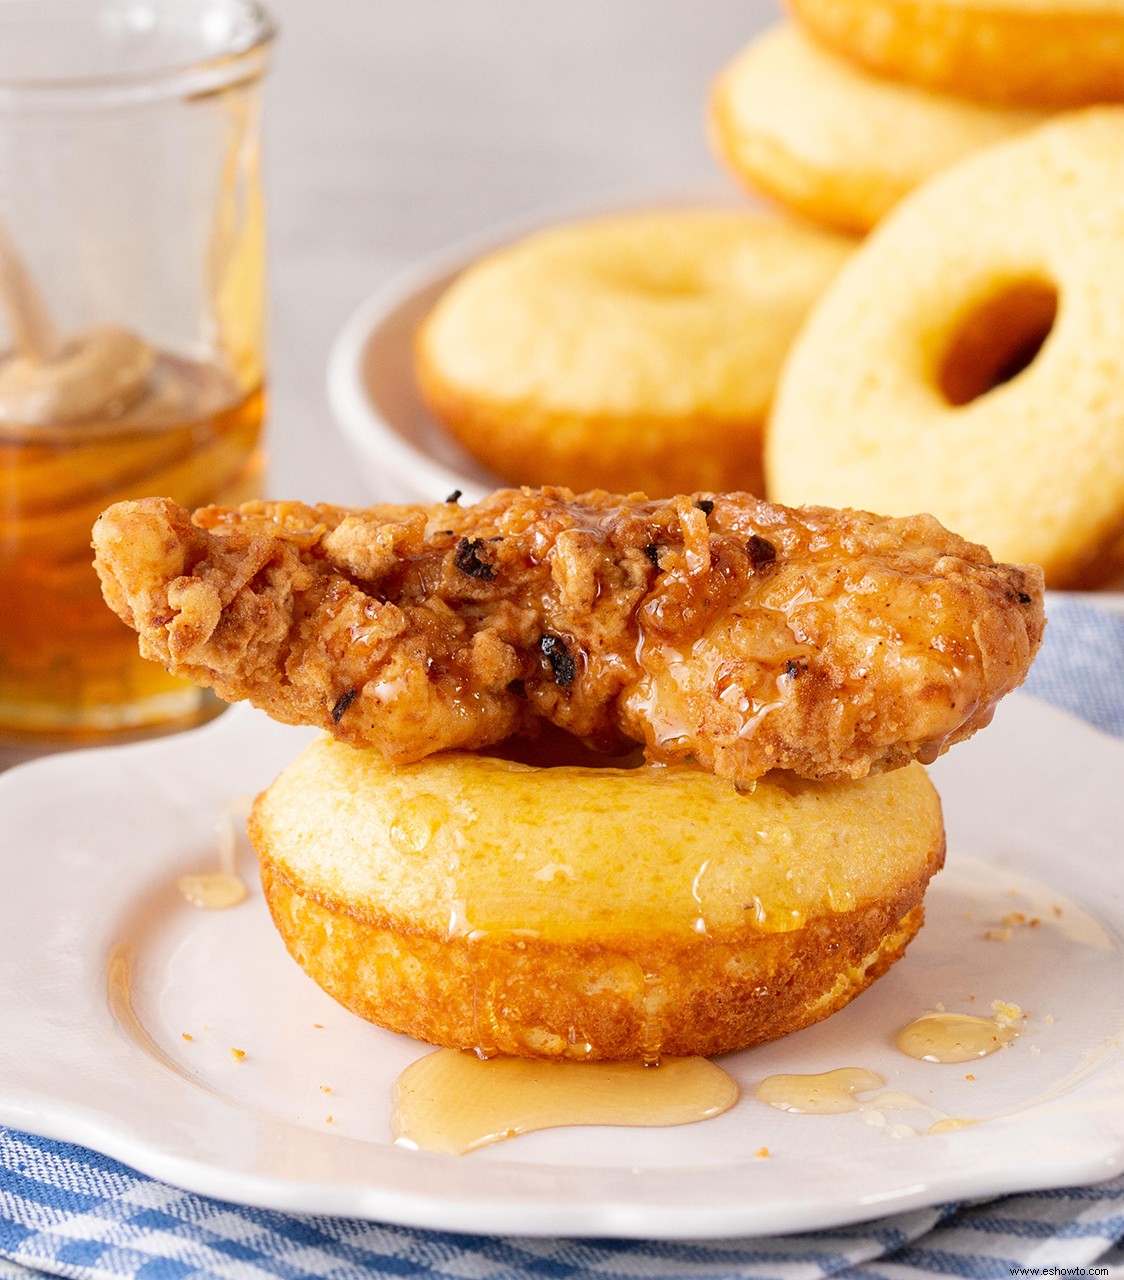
(397, 127)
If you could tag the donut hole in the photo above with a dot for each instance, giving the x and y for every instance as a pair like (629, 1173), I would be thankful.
(997, 340)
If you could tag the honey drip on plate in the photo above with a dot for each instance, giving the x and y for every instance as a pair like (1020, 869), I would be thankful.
(833, 1092)
(951, 1123)
(452, 1101)
(217, 890)
(953, 1037)
(213, 890)
(825, 1094)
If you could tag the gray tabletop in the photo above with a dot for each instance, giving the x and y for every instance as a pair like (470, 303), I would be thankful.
(396, 127)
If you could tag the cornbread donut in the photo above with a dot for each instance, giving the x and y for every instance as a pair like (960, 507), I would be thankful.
(833, 142)
(1040, 53)
(636, 352)
(590, 912)
(899, 394)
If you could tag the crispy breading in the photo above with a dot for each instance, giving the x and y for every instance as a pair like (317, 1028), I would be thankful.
(722, 628)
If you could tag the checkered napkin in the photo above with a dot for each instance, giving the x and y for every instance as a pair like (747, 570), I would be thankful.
(66, 1211)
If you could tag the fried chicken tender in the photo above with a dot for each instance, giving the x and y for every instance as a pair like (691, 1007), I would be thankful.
(744, 635)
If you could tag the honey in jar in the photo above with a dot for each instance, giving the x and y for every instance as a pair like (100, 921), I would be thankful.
(172, 427)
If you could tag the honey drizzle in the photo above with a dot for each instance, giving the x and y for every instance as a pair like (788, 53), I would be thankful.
(953, 1037)
(833, 1092)
(484, 1022)
(453, 1102)
(218, 890)
(823, 1094)
(651, 1030)
(951, 1123)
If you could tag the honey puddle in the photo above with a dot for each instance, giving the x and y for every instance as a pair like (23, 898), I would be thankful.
(827, 1093)
(954, 1037)
(452, 1101)
(950, 1124)
(934, 1037)
(833, 1092)
(224, 888)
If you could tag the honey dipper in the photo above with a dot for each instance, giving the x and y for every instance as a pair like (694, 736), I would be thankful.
(50, 378)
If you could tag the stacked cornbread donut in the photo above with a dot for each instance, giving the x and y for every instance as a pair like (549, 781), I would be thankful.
(860, 101)
(966, 360)
(1050, 53)
(833, 141)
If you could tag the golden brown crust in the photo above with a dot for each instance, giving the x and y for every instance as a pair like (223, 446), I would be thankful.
(532, 445)
(851, 203)
(827, 139)
(1035, 54)
(745, 635)
(532, 999)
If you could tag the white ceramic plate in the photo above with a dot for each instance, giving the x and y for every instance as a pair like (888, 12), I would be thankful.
(104, 968)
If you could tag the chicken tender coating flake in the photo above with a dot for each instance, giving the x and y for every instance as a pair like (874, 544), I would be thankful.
(719, 628)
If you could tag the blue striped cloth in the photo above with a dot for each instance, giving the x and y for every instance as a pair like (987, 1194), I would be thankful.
(66, 1211)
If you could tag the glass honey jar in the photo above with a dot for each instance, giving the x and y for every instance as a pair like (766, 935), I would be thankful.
(131, 324)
